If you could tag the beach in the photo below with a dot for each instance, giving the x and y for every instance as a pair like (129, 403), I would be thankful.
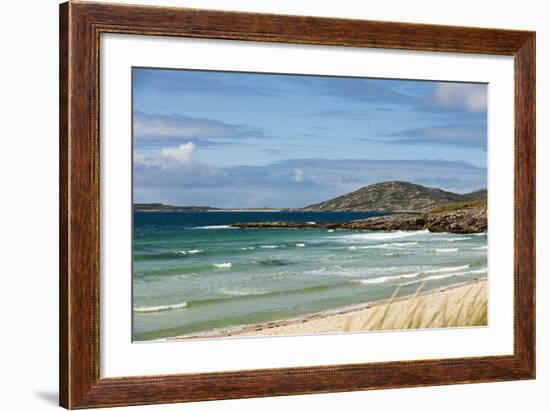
(194, 273)
(459, 305)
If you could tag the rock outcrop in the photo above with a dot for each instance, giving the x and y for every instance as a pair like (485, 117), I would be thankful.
(472, 219)
(459, 218)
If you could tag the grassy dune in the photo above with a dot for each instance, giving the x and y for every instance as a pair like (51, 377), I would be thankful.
(458, 306)
(465, 307)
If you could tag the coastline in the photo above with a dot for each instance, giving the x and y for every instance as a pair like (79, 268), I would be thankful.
(461, 218)
(428, 309)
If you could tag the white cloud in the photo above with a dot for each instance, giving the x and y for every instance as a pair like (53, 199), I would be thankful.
(181, 154)
(298, 176)
(471, 97)
(290, 183)
(169, 158)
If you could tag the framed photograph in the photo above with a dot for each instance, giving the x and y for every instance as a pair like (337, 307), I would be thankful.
(258, 205)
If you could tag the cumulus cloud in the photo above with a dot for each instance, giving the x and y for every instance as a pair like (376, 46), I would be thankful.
(168, 157)
(469, 97)
(173, 171)
(181, 154)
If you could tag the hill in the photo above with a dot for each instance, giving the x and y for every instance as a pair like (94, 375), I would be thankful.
(395, 196)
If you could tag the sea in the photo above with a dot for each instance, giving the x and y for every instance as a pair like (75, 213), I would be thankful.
(193, 273)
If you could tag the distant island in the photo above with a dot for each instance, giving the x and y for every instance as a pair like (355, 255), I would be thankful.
(165, 207)
(415, 207)
(394, 196)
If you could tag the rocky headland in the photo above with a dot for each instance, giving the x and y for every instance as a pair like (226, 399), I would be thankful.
(458, 218)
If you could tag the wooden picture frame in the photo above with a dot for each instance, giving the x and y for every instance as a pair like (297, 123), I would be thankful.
(80, 27)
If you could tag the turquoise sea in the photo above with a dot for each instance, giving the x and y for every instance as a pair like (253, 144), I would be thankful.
(192, 273)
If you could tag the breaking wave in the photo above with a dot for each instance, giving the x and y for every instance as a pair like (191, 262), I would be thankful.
(223, 265)
(158, 308)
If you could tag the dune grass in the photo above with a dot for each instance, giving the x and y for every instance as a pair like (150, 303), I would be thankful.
(467, 309)
(460, 305)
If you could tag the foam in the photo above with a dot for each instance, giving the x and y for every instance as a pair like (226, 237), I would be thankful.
(383, 236)
(443, 276)
(223, 265)
(159, 308)
(387, 278)
(390, 245)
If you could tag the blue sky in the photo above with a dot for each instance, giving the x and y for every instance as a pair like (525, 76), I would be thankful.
(264, 140)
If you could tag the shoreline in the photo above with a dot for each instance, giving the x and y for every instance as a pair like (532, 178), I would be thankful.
(366, 316)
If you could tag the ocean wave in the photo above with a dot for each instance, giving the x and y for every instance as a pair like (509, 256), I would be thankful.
(236, 295)
(300, 245)
(170, 255)
(241, 292)
(385, 245)
(385, 279)
(390, 245)
(366, 272)
(446, 250)
(184, 252)
(158, 308)
(382, 236)
(443, 276)
(223, 265)
(483, 247)
(458, 239)
(247, 248)
(269, 246)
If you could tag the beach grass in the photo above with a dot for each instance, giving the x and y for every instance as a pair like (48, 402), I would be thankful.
(462, 305)
(468, 309)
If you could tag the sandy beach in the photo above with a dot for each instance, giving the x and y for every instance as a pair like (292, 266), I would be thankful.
(459, 305)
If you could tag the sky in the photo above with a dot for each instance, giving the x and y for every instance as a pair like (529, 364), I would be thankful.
(232, 139)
